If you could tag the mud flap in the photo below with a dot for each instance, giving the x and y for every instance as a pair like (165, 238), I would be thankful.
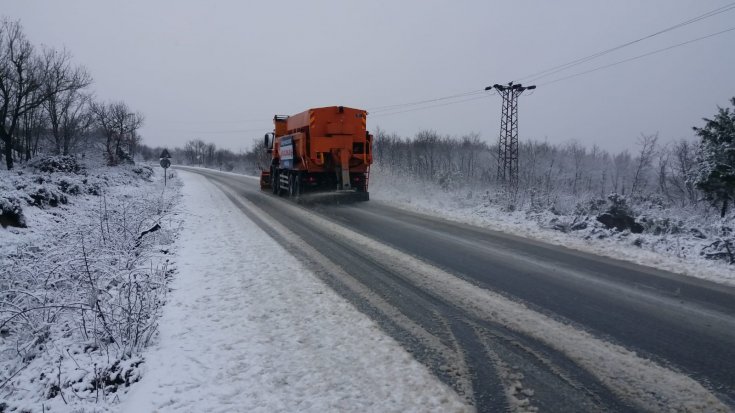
(344, 161)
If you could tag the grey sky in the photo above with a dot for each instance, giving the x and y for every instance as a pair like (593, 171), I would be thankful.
(219, 70)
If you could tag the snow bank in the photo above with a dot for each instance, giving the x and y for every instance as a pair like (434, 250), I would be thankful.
(80, 285)
(643, 382)
(675, 252)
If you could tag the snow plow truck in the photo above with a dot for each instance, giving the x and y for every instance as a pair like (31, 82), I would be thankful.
(322, 153)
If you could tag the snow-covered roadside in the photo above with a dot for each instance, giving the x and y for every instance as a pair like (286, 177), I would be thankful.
(471, 207)
(466, 206)
(643, 382)
(81, 286)
(247, 328)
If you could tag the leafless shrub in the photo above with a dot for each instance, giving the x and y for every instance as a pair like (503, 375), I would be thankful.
(102, 287)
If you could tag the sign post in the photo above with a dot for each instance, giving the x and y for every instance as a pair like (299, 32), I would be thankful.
(165, 163)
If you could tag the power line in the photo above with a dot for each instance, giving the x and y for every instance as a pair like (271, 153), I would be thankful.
(376, 111)
(204, 132)
(394, 109)
(432, 106)
(215, 121)
(640, 56)
(559, 68)
(388, 110)
(420, 102)
(391, 109)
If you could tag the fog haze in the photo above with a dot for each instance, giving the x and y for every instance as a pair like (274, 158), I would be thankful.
(219, 71)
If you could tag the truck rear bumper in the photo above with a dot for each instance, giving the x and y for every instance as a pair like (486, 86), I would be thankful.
(332, 197)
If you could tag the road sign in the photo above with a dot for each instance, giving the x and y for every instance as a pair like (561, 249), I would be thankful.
(165, 163)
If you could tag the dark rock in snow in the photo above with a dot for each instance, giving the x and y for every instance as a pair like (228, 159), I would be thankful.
(11, 213)
(561, 226)
(579, 226)
(620, 222)
(696, 233)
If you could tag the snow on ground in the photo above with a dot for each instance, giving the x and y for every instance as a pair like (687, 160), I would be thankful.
(643, 382)
(247, 328)
(80, 250)
(677, 253)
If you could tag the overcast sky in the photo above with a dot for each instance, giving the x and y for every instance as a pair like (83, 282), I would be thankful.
(220, 70)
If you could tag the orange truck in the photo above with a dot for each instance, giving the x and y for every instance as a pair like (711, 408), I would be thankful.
(320, 150)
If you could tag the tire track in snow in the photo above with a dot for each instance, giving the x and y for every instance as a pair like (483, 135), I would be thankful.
(470, 377)
(646, 383)
(248, 328)
(325, 268)
(642, 382)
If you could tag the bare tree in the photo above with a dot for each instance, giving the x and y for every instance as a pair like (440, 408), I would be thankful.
(664, 160)
(469, 148)
(209, 151)
(578, 153)
(194, 151)
(645, 157)
(119, 126)
(133, 142)
(66, 109)
(24, 84)
(426, 146)
(190, 152)
(683, 171)
(33, 126)
(21, 79)
(621, 162)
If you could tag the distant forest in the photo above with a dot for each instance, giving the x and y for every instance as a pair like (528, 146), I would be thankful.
(550, 175)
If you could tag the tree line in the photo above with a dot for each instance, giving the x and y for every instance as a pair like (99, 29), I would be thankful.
(197, 152)
(46, 105)
(683, 173)
(545, 170)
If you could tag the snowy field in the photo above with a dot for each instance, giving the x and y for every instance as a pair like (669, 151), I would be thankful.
(679, 253)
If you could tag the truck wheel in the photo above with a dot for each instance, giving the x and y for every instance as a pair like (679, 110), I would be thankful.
(291, 185)
(274, 181)
(280, 190)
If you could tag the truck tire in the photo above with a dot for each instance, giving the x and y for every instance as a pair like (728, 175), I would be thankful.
(294, 185)
(274, 181)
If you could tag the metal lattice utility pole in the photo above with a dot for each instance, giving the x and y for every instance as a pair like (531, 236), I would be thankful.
(508, 140)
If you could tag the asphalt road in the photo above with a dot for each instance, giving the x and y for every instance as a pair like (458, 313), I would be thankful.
(684, 325)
